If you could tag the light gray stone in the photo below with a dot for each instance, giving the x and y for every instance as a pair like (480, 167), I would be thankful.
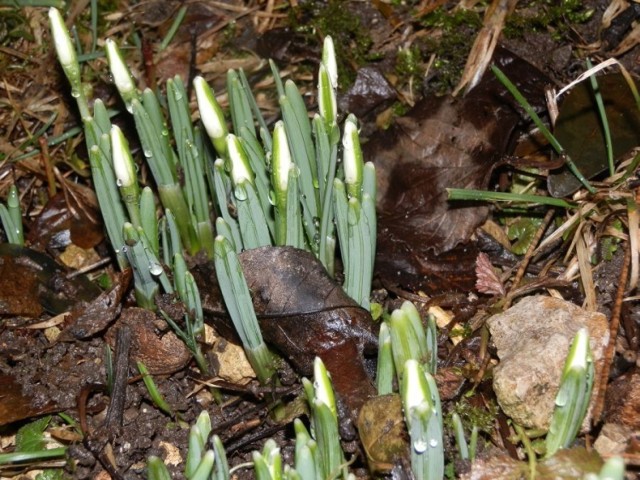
(532, 339)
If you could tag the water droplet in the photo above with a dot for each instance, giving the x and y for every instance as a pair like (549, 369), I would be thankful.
(124, 249)
(147, 153)
(420, 446)
(165, 132)
(155, 269)
(316, 222)
(75, 93)
(272, 197)
(177, 96)
(316, 184)
(240, 193)
(118, 182)
(433, 443)
(561, 400)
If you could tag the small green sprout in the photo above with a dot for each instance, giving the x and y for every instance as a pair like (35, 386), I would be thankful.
(11, 217)
(68, 59)
(211, 115)
(423, 416)
(330, 461)
(120, 73)
(572, 400)
(155, 394)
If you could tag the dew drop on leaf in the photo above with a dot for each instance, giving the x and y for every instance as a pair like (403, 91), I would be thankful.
(240, 193)
(155, 269)
(420, 446)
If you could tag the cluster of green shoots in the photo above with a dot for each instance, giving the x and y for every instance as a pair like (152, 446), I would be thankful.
(408, 354)
(263, 187)
(318, 453)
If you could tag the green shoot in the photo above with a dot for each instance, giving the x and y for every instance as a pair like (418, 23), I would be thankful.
(238, 301)
(11, 217)
(154, 393)
(423, 416)
(329, 460)
(572, 400)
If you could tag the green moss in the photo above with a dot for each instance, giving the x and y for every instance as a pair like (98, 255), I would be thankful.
(352, 40)
(451, 47)
(409, 62)
(481, 417)
(14, 26)
(556, 17)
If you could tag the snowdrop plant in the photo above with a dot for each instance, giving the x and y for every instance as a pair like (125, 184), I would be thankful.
(11, 217)
(326, 451)
(202, 463)
(574, 395)
(68, 59)
(423, 416)
(410, 339)
(408, 354)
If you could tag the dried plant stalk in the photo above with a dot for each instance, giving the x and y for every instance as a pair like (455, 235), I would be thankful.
(586, 273)
(613, 334)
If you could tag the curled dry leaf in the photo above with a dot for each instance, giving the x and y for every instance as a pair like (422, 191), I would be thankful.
(443, 142)
(162, 352)
(88, 318)
(303, 313)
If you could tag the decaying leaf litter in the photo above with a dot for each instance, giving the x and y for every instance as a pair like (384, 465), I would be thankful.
(58, 376)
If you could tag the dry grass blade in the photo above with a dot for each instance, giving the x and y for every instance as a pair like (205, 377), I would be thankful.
(613, 334)
(485, 43)
(634, 240)
(583, 250)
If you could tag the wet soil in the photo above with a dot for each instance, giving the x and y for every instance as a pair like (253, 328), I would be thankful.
(42, 375)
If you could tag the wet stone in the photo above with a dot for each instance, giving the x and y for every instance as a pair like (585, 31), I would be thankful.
(533, 339)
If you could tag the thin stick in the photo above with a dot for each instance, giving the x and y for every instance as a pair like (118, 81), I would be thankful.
(46, 160)
(613, 333)
(528, 256)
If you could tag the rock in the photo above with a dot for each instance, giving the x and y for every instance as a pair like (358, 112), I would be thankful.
(613, 439)
(533, 339)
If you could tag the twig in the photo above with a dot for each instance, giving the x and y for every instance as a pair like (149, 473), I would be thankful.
(613, 334)
(46, 160)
